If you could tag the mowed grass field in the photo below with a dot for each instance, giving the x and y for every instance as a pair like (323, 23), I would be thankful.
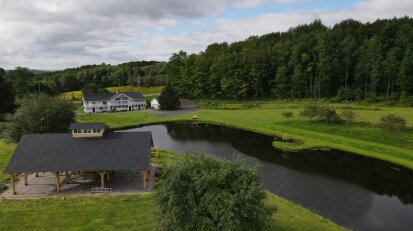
(363, 136)
(77, 95)
(129, 212)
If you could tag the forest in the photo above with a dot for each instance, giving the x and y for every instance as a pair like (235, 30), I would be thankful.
(346, 62)
(143, 73)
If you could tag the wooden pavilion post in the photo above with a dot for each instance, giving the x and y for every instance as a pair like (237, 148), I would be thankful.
(57, 174)
(108, 176)
(25, 178)
(67, 177)
(102, 179)
(13, 185)
(145, 178)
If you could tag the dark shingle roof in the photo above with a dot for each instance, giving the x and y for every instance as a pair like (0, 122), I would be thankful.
(87, 126)
(110, 96)
(60, 152)
(97, 96)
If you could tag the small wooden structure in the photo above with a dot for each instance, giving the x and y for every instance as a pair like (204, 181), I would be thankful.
(194, 115)
(155, 151)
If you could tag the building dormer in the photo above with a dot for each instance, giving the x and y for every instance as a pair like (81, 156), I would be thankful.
(86, 130)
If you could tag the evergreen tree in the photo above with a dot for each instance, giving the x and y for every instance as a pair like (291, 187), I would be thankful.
(169, 99)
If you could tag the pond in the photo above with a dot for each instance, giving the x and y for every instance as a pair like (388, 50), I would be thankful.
(354, 191)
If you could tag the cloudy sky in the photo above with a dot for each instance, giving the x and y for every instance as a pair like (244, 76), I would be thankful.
(56, 34)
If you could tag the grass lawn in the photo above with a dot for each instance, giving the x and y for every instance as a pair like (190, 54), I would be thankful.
(6, 151)
(363, 136)
(77, 95)
(79, 213)
(129, 212)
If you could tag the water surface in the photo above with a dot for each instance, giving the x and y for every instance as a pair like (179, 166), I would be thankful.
(357, 192)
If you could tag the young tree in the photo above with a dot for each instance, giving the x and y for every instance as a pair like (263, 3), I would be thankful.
(287, 115)
(39, 114)
(328, 114)
(169, 99)
(203, 193)
(348, 115)
(6, 95)
(392, 122)
(310, 111)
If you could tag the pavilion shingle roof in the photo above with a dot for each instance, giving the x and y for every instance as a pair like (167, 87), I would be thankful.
(60, 152)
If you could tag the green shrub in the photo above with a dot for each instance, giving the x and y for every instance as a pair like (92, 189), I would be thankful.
(392, 122)
(287, 114)
(371, 98)
(250, 105)
(328, 114)
(348, 115)
(310, 111)
(203, 193)
(346, 95)
(406, 100)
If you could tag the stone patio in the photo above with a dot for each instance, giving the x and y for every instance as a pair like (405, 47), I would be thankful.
(45, 184)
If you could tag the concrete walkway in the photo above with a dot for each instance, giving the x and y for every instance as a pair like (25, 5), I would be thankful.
(45, 185)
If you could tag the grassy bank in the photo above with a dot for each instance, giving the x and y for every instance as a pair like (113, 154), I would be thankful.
(362, 137)
(77, 95)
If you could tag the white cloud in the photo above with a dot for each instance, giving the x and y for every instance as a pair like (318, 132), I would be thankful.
(53, 34)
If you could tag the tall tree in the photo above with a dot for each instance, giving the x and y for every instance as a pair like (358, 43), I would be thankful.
(39, 114)
(21, 80)
(6, 94)
(391, 64)
(348, 46)
(169, 99)
(405, 77)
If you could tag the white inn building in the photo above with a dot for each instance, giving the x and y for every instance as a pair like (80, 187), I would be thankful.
(120, 101)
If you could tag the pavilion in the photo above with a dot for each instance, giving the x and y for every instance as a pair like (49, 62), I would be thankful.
(89, 149)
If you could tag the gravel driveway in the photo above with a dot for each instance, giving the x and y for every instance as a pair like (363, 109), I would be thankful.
(187, 106)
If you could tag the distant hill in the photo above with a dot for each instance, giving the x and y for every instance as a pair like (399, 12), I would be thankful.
(35, 71)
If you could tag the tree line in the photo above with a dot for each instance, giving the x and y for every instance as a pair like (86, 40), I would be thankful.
(143, 73)
(91, 78)
(349, 61)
